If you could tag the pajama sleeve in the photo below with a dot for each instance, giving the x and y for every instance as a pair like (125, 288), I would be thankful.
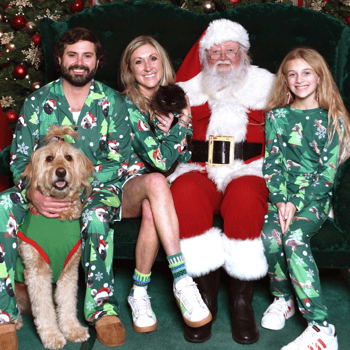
(160, 154)
(274, 168)
(25, 138)
(119, 134)
(322, 180)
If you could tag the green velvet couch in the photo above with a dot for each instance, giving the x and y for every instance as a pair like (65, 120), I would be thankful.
(274, 29)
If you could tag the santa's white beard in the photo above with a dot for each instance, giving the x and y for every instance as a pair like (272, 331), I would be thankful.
(214, 80)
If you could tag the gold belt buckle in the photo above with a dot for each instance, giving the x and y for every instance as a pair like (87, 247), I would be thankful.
(212, 139)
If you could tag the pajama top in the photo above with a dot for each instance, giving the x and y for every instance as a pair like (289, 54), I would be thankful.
(300, 163)
(103, 132)
(154, 150)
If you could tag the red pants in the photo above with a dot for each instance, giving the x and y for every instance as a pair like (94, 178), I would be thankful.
(243, 206)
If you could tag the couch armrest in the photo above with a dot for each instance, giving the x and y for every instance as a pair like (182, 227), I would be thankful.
(341, 199)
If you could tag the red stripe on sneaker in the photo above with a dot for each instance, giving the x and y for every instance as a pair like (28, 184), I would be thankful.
(322, 343)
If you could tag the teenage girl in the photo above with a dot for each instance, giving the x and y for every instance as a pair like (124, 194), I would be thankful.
(307, 136)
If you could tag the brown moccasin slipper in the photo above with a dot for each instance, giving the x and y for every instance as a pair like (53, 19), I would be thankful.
(110, 331)
(8, 337)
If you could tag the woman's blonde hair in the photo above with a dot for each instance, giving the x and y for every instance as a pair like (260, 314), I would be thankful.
(327, 91)
(127, 78)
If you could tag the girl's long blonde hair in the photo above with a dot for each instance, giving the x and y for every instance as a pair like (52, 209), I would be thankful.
(328, 94)
(127, 78)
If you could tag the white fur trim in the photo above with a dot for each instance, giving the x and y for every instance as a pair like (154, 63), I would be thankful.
(203, 253)
(244, 259)
(222, 30)
(223, 175)
(183, 169)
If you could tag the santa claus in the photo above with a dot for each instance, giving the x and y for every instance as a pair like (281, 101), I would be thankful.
(227, 95)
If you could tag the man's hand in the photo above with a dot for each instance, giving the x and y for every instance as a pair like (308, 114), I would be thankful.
(48, 206)
(286, 213)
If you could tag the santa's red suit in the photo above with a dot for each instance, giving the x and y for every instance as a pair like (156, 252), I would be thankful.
(236, 191)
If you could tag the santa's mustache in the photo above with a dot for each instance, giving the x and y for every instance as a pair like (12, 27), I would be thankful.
(223, 62)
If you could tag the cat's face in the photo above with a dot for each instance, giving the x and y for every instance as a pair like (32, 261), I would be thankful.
(171, 98)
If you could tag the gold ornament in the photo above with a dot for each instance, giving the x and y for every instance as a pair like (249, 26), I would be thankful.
(31, 27)
(209, 6)
(10, 47)
(36, 85)
(1, 17)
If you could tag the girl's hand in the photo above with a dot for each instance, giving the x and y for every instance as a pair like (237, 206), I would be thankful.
(48, 206)
(164, 122)
(286, 213)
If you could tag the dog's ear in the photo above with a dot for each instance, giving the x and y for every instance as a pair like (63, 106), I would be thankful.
(28, 177)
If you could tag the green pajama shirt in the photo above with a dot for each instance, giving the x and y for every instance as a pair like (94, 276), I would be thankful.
(155, 151)
(299, 167)
(105, 138)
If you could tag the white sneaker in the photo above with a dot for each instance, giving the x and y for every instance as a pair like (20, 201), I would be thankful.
(277, 313)
(143, 318)
(314, 338)
(194, 311)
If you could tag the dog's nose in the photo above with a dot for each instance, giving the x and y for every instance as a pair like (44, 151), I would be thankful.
(61, 172)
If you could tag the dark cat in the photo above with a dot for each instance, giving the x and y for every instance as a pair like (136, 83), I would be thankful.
(169, 99)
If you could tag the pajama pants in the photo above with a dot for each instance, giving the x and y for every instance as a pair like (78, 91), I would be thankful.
(292, 268)
(242, 206)
(97, 256)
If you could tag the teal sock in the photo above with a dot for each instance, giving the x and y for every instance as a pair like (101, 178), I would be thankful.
(140, 280)
(177, 266)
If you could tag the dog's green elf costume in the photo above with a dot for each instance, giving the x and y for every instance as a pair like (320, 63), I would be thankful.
(55, 240)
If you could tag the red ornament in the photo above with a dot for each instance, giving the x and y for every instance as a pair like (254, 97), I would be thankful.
(77, 6)
(36, 39)
(12, 117)
(235, 2)
(348, 20)
(6, 6)
(18, 22)
(20, 71)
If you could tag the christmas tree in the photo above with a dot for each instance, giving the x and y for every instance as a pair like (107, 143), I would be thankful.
(22, 63)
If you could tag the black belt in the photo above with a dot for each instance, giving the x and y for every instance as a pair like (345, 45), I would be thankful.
(221, 151)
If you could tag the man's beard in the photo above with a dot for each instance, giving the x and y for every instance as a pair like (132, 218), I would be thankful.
(78, 80)
(214, 80)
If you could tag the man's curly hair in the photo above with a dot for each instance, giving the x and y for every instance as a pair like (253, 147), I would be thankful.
(71, 37)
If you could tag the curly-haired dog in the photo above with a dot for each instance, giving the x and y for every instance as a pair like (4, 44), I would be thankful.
(60, 170)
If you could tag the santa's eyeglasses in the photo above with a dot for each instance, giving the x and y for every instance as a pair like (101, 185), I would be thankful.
(217, 54)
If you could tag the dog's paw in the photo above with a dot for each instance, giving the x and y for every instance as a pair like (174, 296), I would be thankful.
(55, 340)
(77, 333)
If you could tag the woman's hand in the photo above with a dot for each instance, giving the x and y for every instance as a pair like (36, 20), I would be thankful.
(48, 206)
(286, 213)
(164, 122)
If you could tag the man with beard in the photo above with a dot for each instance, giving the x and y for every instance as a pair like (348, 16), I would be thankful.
(68, 101)
(227, 95)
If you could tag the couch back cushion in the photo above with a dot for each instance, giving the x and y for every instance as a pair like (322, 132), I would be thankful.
(274, 29)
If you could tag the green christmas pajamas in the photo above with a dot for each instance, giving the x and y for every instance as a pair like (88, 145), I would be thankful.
(105, 138)
(300, 165)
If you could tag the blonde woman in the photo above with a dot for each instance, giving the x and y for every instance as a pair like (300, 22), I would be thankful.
(145, 66)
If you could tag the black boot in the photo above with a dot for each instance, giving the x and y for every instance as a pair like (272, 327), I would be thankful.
(208, 286)
(244, 328)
